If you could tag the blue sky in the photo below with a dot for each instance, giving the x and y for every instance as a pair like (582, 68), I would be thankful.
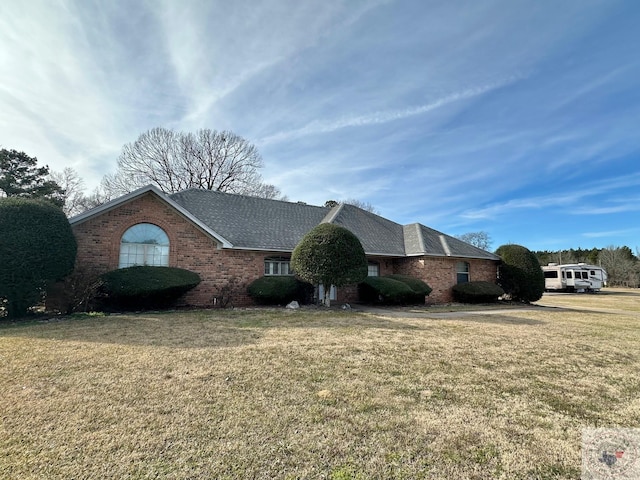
(517, 118)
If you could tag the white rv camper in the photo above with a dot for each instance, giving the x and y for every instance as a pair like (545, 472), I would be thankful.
(574, 277)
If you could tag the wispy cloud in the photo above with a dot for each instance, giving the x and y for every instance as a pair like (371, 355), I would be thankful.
(572, 200)
(611, 233)
(381, 117)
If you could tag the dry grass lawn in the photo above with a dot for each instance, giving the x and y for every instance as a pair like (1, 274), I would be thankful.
(319, 394)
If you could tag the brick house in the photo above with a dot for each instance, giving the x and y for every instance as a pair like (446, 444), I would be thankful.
(225, 237)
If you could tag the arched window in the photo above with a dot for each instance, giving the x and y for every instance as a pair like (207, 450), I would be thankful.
(144, 244)
(462, 272)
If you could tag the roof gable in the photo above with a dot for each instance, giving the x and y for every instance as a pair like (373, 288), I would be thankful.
(149, 189)
(422, 240)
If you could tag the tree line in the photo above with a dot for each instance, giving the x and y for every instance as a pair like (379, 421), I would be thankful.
(621, 264)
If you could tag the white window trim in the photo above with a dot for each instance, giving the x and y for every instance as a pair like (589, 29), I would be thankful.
(466, 271)
(282, 264)
(151, 254)
(372, 265)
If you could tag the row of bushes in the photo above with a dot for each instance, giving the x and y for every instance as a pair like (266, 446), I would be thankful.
(147, 287)
(137, 288)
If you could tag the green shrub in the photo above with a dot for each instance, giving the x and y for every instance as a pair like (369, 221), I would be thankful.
(141, 288)
(279, 290)
(420, 288)
(37, 247)
(384, 290)
(331, 255)
(477, 292)
(519, 274)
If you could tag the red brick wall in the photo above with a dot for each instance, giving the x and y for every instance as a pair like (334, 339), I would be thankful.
(440, 273)
(191, 249)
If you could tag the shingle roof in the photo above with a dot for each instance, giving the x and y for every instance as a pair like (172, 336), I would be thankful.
(243, 222)
(251, 222)
(421, 240)
(258, 223)
(377, 234)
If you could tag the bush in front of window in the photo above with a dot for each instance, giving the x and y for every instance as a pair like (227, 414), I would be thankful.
(385, 290)
(420, 288)
(146, 287)
(279, 290)
(519, 274)
(37, 247)
(477, 292)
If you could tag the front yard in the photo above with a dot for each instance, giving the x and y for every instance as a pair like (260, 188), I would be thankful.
(315, 394)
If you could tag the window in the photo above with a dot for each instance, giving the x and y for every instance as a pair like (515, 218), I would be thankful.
(277, 266)
(569, 274)
(551, 274)
(462, 272)
(144, 244)
(373, 270)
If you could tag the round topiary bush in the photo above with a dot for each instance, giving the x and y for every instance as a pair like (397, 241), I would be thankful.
(384, 290)
(146, 287)
(279, 290)
(37, 247)
(477, 292)
(519, 274)
(331, 255)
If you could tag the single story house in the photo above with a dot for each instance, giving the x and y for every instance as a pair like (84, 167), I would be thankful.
(225, 237)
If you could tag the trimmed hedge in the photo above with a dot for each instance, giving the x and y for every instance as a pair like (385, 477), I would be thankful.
(37, 247)
(385, 290)
(420, 288)
(146, 287)
(477, 292)
(279, 290)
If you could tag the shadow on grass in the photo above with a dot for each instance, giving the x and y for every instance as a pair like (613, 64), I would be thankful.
(194, 329)
(138, 330)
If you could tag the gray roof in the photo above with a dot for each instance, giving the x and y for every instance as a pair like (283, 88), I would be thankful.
(251, 223)
(421, 240)
(377, 234)
(262, 224)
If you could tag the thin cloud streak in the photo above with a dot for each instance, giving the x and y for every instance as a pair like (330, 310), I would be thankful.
(378, 118)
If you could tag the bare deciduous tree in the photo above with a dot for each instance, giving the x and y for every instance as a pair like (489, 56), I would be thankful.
(621, 266)
(73, 186)
(356, 203)
(174, 161)
(478, 239)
